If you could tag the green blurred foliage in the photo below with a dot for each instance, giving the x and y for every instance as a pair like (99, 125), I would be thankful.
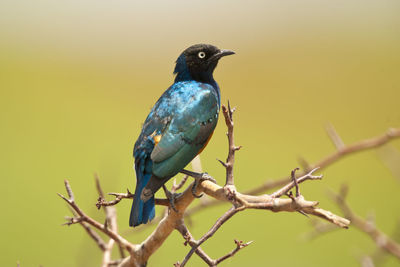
(77, 79)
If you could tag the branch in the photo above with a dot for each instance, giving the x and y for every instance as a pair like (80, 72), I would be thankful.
(381, 239)
(181, 227)
(82, 217)
(210, 233)
(239, 246)
(360, 146)
(101, 202)
(111, 220)
(309, 176)
(230, 161)
(140, 253)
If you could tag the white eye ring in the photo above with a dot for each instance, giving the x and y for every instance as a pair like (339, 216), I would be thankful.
(201, 54)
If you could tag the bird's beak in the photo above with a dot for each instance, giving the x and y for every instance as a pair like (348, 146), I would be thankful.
(221, 53)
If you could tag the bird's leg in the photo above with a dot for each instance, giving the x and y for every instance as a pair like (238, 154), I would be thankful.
(198, 178)
(172, 197)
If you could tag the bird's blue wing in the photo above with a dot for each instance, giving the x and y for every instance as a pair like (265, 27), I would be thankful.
(189, 128)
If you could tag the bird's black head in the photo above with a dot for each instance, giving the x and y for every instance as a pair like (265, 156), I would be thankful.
(198, 63)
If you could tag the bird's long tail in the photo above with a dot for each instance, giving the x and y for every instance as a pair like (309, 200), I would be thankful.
(141, 212)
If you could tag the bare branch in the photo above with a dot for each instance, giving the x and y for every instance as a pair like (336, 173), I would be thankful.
(393, 133)
(308, 176)
(190, 240)
(239, 246)
(181, 227)
(140, 253)
(380, 238)
(359, 146)
(210, 233)
(101, 202)
(230, 161)
(111, 222)
(82, 217)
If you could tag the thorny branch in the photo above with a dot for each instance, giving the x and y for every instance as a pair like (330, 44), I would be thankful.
(381, 239)
(81, 217)
(342, 151)
(140, 253)
(101, 202)
(181, 227)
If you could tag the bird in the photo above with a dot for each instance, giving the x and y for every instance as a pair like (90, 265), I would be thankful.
(178, 127)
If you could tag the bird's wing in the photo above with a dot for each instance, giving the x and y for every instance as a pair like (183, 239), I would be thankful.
(188, 130)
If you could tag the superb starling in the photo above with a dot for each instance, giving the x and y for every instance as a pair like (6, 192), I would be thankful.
(178, 127)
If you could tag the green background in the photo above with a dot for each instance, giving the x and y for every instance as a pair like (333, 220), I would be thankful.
(77, 79)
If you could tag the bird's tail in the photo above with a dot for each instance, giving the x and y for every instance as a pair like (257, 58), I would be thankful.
(141, 211)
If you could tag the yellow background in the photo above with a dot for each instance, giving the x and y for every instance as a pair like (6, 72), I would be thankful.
(77, 79)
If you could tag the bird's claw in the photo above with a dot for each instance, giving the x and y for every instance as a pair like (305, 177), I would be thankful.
(197, 180)
(172, 197)
(172, 200)
(194, 188)
(206, 176)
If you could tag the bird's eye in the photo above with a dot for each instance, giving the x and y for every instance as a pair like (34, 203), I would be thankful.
(201, 54)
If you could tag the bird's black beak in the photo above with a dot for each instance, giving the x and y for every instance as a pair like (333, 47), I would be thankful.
(219, 54)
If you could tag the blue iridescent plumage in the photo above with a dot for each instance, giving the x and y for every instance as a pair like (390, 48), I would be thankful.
(177, 128)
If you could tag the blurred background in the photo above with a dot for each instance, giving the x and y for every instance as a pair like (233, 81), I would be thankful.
(77, 79)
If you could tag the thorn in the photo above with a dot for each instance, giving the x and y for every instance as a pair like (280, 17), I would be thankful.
(250, 242)
(293, 175)
(66, 199)
(223, 163)
(69, 190)
(303, 213)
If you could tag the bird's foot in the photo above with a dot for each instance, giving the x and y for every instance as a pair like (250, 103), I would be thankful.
(198, 178)
(172, 197)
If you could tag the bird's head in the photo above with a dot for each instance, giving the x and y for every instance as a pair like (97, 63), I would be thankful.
(198, 62)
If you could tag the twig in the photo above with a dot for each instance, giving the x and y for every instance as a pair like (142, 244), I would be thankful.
(82, 217)
(181, 227)
(381, 239)
(356, 147)
(111, 221)
(101, 202)
(196, 244)
(308, 176)
(230, 161)
(239, 246)
(359, 146)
